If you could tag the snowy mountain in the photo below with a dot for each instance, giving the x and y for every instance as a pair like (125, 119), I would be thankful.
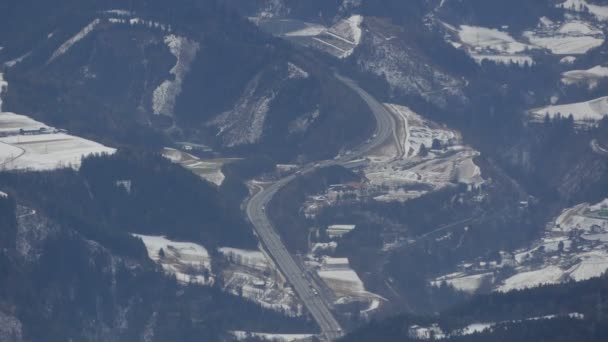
(285, 169)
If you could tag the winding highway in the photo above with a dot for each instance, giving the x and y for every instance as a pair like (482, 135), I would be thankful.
(255, 209)
(597, 148)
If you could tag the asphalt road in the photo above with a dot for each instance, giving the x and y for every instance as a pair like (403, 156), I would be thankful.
(302, 285)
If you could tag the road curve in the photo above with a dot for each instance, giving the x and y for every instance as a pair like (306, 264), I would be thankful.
(255, 210)
(597, 148)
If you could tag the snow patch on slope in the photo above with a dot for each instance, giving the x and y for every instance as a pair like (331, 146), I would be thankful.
(295, 72)
(244, 123)
(565, 44)
(13, 62)
(75, 39)
(310, 30)
(301, 123)
(592, 264)
(469, 284)
(404, 70)
(184, 50)
(582, 112)
(545, 276)
(187, 261)
(591, 76)
(209, 169)
(345, 283)
(491, 39)
(341, 39)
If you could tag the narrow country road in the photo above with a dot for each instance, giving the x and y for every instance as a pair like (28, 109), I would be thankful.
(255, 209)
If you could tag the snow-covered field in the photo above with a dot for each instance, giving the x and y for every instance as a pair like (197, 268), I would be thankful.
(346, 285)
(210, 170)
(462, 282)
(572, 37)
(590, 77)
(184, 50)
(246, 273)
(490, 39)
(582, 112)
(46, 151)
(592, 264)
(482, 43)
(340, 278)
(544, 276)
(187, 261)
(573, 247)
(11, 122)
(601, 12)
(343, 281)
